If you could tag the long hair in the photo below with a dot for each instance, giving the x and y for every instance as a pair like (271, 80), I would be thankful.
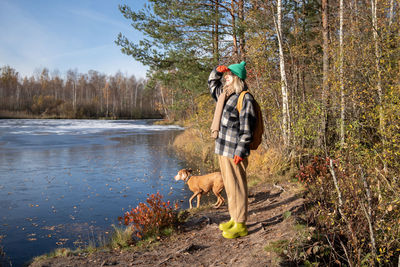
(238, 85)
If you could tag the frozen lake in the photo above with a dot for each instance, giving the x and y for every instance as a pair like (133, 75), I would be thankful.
(65, 182)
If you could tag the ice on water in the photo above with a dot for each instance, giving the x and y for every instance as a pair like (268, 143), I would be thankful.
(78, 127)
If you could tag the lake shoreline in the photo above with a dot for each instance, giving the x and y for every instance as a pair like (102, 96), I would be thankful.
(198, 239)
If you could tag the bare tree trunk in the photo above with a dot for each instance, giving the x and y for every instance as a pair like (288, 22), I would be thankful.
(391, 15)
(325, 69)
(378, 70)
(121, 96)
(136, 93)
(18, 92)
(216, 33)
(368, 214)
(234, 32)
(107, 96)
(241, 32)
(74, 96)
(163, 102)
(285, 98)
(353, 27)
(377, 59)
(141, 102)
(101, 101)
(342, 99)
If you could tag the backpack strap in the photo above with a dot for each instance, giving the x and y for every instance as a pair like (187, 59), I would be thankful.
(239, 104)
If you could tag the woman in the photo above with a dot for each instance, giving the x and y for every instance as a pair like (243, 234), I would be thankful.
(233, 132)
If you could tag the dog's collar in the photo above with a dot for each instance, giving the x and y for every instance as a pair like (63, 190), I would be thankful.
(187, 179)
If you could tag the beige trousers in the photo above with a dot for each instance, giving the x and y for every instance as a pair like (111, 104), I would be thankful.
(235, 182)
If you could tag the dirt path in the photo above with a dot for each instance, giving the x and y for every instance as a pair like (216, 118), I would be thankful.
(200, 242)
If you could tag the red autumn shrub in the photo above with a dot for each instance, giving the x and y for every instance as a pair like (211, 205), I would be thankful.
(150, 218)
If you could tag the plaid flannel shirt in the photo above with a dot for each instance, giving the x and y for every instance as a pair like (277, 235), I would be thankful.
(236, 130)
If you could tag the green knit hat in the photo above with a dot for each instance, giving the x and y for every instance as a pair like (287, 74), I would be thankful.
(239, 70)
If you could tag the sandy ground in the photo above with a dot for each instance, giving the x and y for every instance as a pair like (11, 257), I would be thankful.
(199, 241)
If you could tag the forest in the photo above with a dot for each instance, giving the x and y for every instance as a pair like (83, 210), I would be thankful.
(47, 94)
(326, 74)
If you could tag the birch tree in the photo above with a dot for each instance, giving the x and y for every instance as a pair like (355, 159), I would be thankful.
(377, 59)
(72, 77)
(285, 98)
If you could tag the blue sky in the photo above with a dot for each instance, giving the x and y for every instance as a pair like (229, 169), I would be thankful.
(66, 34)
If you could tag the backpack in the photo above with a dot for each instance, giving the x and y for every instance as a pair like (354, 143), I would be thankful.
(259, 127)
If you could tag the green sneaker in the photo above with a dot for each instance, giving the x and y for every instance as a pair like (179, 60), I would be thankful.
(237, 230)
(227, 225)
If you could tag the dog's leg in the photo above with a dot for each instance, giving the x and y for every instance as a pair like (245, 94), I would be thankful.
(220, 199)
(198, 200)
(219, 202)
(216, 194)
(216, 203)
(190, 200)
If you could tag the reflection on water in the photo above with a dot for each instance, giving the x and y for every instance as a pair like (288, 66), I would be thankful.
(63, 183)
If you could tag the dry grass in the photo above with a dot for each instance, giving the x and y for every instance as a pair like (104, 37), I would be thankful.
(265, 164)
(5, 114)
(196, 148)
(121, 238)
(268, 164)
(59, 252)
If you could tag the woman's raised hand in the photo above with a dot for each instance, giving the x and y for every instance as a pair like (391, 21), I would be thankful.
(222, 68)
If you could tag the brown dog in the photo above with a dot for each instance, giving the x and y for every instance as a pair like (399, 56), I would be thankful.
(201, 185)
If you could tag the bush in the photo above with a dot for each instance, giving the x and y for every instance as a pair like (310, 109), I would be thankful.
(356, 212)
(151, 218)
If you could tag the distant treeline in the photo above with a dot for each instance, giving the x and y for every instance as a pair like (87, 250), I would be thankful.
(78, 95)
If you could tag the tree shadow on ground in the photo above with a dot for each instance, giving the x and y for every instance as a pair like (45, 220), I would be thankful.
(263, 196)
(275, 205)
(255, 199)
(262, 225)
